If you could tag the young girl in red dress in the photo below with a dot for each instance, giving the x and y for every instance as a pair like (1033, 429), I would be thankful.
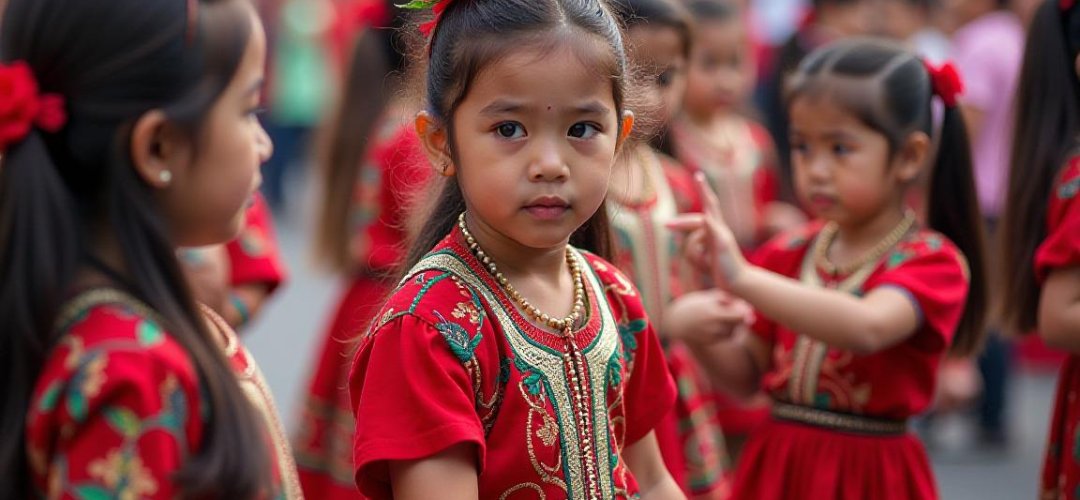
(856, 310)
(510, 361)
(648, 189)
(373, 165)
(128, 129)
(1041, 228)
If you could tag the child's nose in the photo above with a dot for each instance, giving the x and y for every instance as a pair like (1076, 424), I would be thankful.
(548, 163)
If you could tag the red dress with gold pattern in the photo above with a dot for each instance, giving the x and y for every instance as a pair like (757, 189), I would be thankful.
(451, 360)
(254, 256)
(324, 442)
(1061, 250)
(838, 429)
(117, 409)
(690, 437)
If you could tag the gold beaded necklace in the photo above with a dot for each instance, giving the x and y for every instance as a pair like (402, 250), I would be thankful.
(560, 324)
(828, 235)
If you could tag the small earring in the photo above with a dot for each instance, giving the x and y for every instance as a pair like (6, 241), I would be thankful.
(165, 176)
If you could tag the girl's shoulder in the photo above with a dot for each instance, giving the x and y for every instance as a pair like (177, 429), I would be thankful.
(793, 242)
(105, 323)
(926, 249)
(114, 378)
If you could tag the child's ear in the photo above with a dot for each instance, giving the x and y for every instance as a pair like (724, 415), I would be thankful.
(160, 152)
(627, 127)
(912, 157)
(436, 143)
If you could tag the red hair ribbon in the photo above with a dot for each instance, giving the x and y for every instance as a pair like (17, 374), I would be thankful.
(1065, 5)
(437, 6)
(946, 81)
(22, 107)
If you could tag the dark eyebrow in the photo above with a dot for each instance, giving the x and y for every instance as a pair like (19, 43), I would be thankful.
(591, 108)
(502, 106)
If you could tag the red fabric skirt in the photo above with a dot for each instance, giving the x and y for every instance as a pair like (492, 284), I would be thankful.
(1061, 468)
(324, 443)
(791, 461)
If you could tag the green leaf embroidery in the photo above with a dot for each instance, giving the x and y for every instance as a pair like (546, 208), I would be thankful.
(463, 346)
(614, 367)
(92, 493)
(124, 421)
(49, 397)
(1069, 189)
(533, 383)
(76, 404)
(149, 333)
(417, 4)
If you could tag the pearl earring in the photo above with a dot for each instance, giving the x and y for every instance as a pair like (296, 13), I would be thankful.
(165, 176)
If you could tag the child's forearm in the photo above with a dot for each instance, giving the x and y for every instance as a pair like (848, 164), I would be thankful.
(836, 318)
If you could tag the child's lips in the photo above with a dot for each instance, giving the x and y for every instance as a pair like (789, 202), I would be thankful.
(547, 207)
(820, 201)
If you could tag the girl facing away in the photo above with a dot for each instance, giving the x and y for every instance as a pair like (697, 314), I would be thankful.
(512, 359)
(1042, 216)
(129, 130)
(856, 311)
(648, 189)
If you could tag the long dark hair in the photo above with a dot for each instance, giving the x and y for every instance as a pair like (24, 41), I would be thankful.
(889, 89)
(1045, 134)
(469, 36)
(114, 61)
(377, 64)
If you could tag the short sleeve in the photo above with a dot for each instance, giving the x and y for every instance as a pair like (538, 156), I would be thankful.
(1061, 248)
(412, 398)
(112, 424)
(650, 390)
(254, 256)
(934, 275)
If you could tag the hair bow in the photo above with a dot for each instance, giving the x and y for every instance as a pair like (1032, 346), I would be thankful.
(946, 82)
(23, 107)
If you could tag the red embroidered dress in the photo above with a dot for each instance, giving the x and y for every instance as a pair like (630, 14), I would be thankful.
(324, 443)
(451, 360)
(838, 428)
(648, 253)
(1061, 250)
(118, 409)
(254, 256)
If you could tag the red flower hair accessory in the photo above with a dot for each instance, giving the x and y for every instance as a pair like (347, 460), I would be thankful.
(22, 107)
(946, 82)
(436, 6)
(1065, 5)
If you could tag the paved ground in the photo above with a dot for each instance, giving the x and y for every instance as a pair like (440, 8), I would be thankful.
(283, 339)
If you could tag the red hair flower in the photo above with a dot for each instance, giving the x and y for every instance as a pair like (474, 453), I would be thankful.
(21, 107)
(1065, 5)
(436, 6)
(946, 82)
